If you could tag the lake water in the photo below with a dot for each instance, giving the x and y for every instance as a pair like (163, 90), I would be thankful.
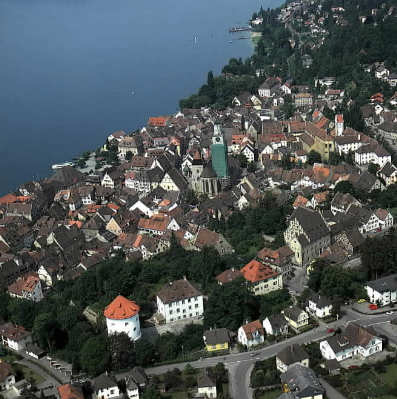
(73, 71)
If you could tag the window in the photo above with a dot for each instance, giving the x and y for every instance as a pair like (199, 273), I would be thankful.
(196, 305)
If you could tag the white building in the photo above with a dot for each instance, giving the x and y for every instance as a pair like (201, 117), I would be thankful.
(131, 388)
(251, 334)
(122, 316)
(382, 291)
(7, 377)
(291, 355)
(372, 153)
(105, 387)
(319, 306)
(206, 387)
(179, 300)
(355, 340)
(14, 337)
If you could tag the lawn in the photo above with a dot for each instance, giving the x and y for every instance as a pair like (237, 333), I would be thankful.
(390, 377)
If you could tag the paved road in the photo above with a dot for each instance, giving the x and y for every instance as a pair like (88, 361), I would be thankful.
(240, 365)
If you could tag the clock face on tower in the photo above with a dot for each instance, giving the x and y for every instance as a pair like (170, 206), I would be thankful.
(218, 139)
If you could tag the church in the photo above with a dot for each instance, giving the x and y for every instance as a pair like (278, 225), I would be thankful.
(209, 178)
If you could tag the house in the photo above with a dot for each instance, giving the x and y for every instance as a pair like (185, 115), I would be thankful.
(388, 173)
(217, 339)
(382, 291)
(354, 340)
(69, 391)
(228, 275)
(291, 355)
(210, 238)
(157, 225)
(342, 202)
(14, 336)
(131, 145)
(105, 387)
(7, 376)
(34, 351)
(206, 386)
(275, 325)
(279, 259)
(112, 179)
(251, 334)
(372, 153)
(300, 382)
(27, 287)
(296, 317)
(132, 388)
(261, 278)
(249, 152)
(179, 300)
(307, 235)
(319, 306)
(303, 99)
(139, 376)
(269, 87)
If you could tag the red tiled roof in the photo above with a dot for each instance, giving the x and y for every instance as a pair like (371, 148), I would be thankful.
(158, 222)
(158, 120)
(228, 275)
(68, 391)
(121, 308)
(255, 271)
(25, 283)
(252, 327)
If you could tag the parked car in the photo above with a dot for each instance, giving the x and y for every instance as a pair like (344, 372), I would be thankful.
(330, 330)
(372, 306)
(361, 301)
(390, 312)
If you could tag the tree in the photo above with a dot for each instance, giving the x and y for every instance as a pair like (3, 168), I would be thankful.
(313, 157)
(230, 305)
(210, 79)
(251, 167)
(44, 330)
(344, 187)
(145, 352)
(373, 168)
(151, 393)
(94, 355)
(243, 160)
(122, 351)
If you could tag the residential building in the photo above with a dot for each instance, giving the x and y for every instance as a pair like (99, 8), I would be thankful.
(228, 276)
(105, 387)
(7, 376)
(206, 386)
(319, 306)
(355, 340)
(132, 388)
(27, 287)
(179, 300)
(275, 325)
(342, 202)
(279, 259)
(210, 238)
(296, 317)
(303, 99)
(14, 336)
(158, 224)
(122, 316)
(388, 173)
(307, 235)
(261, 278)
(217, 339)
(372, 153)
(382, 291)
(291, 355)
(300, 382)
(251, 334)
(69, 391)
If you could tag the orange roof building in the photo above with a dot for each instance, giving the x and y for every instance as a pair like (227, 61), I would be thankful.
(251, 334)
(261, 278)
(122, 316)
(27, 287)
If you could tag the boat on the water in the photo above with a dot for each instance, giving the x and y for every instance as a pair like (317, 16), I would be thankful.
(61, 165)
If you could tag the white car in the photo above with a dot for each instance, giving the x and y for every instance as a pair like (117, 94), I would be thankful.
(389, 312)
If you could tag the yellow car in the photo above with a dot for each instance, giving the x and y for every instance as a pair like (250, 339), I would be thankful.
(361, 301)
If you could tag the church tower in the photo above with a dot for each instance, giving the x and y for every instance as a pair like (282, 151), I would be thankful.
(219, 154)
(339, 124)
(209, 181)
(196, 171)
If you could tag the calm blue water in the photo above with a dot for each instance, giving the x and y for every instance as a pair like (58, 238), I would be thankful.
(68, 69)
